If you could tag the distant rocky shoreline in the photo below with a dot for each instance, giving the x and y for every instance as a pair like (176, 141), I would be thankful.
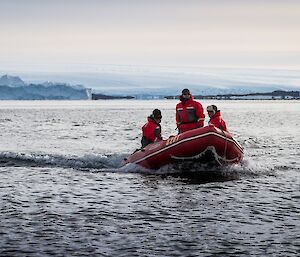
(109, 97)
(275, 95)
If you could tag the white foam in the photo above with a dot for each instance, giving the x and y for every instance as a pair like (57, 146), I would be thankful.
(93, 161)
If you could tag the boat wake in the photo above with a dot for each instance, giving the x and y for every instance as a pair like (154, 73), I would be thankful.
(111, 163)
(86, 162)
(197, 172)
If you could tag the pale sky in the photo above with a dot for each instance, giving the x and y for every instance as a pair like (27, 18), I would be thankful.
(56, 34)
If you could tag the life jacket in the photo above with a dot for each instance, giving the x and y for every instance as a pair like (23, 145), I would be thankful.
(151, 131)
(189, 114)
(218, 121)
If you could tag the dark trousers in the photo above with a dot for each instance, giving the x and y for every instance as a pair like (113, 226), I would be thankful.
(145, 142)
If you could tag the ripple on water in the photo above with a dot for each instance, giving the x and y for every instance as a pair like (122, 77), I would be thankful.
(68, 197)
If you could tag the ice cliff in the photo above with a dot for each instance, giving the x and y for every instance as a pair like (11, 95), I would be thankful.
(14, 88)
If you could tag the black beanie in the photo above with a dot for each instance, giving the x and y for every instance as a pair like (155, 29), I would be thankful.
(185, 91)
(156, 113)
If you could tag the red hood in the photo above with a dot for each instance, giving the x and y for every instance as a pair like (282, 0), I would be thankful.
(217, 114)
(151, 119)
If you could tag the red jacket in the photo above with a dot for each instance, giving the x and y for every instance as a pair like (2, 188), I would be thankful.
(218, 121)
(189, 115)
(151, 130)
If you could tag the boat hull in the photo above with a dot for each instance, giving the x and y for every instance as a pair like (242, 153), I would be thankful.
(202, 145)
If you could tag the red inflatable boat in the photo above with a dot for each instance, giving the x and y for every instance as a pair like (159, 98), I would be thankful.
(204, 145)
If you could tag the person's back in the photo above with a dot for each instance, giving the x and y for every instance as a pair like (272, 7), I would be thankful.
(216, 118)
(189, 113)
(152, 129)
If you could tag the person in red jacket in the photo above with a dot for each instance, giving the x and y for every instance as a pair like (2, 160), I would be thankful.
(189, 113)
(152, 129)
(216, 118)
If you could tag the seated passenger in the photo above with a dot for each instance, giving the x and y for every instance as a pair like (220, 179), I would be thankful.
(152, 129)
(216, 118)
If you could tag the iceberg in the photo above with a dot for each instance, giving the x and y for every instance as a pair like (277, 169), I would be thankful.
(14, 88)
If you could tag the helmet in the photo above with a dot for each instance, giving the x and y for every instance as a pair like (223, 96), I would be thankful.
(212, 108)
(156, 113)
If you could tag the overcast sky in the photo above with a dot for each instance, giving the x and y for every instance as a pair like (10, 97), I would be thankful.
(55, 34)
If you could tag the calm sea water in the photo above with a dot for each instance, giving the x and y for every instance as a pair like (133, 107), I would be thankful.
(62, 193)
